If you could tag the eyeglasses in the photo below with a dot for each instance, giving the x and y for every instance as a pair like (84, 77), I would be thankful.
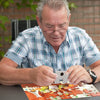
(62, 28)
(52, 31)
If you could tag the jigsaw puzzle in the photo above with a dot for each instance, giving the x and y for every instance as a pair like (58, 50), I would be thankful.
(59, 91)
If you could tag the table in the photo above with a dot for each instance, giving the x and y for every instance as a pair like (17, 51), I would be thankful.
(12, 93)
(17, 93)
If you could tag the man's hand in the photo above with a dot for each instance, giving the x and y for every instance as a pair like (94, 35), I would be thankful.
(78, 74)
(42, 75)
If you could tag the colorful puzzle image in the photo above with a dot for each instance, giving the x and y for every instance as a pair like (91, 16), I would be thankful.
(59, 91)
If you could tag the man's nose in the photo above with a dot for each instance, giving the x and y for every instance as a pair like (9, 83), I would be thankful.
(56, 30)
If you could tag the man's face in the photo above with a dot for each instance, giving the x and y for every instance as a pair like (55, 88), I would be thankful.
(54, 25)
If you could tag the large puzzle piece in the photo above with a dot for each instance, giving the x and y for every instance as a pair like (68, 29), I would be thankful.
(62, 77)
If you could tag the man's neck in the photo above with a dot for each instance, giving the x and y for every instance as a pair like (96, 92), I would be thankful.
(56, 48)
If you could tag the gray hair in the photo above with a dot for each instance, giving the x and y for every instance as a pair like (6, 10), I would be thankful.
(54, 4)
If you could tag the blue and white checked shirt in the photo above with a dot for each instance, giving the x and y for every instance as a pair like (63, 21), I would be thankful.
(31, 50)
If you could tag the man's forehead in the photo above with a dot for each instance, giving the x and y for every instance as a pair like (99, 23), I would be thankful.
(53, 22)
(50, 13)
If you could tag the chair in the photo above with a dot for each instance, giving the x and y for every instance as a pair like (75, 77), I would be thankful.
(20, 25)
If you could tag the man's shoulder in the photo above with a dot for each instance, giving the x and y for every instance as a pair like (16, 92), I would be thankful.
(75, 29)
(30, 32)
(79, 33)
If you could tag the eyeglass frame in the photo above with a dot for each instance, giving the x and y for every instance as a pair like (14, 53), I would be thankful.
(59, 30)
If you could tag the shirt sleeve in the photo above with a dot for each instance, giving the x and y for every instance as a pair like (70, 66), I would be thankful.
(18, 50)
(91, 52)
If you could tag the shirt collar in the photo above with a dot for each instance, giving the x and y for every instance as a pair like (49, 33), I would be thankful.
(43, 38)
(68, 37)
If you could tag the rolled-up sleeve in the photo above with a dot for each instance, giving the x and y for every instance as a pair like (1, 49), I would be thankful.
(18, 49)
(91, 52)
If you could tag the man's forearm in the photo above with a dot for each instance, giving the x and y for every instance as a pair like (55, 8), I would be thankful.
(12, 76)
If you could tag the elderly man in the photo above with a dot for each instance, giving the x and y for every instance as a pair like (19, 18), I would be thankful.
(49, 47)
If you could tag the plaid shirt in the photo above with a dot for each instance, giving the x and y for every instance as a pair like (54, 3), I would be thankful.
(31, 50)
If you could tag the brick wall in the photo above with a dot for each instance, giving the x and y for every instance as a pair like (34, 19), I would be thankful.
(13, 13)
(86, 16)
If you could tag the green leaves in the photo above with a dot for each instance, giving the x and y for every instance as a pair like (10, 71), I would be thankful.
(5, 3)
(27, 3)
(2, 53)
(3, 21)
(7, 39)
(72, 5)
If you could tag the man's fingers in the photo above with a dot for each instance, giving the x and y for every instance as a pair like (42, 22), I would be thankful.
(75, 74)
(50, 74)
(46, 80)
(49, 68)
(76, 77)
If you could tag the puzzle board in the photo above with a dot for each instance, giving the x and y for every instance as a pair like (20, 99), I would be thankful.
(59, 91)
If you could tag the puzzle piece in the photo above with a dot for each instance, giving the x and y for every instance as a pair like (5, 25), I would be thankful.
(62, 77)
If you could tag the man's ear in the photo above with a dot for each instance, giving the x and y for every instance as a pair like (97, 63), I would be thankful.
(38, 21)
(69, 18)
